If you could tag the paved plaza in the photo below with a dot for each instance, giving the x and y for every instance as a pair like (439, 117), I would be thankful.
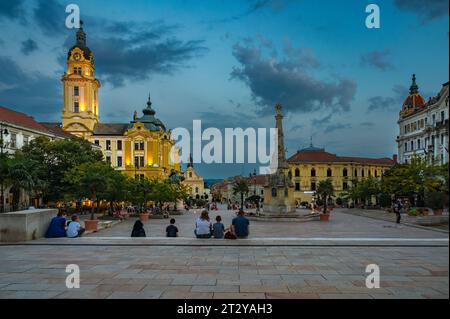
(280, 260)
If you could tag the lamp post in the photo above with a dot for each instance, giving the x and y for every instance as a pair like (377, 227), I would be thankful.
(3, 132)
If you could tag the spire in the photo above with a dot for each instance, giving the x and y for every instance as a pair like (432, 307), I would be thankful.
(81, 36)
(191, 162)
(148, 110)
(311, 142)
(414, 88)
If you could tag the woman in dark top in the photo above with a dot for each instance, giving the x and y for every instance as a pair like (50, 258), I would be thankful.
(138, 229)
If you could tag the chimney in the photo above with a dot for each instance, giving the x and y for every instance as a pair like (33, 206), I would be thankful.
(395, 158)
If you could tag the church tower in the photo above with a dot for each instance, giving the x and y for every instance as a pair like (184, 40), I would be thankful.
(80, 114)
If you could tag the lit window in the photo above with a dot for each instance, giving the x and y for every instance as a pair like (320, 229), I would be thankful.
(76, 91)
(76, 107)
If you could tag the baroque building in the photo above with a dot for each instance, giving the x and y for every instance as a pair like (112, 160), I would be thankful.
(140, 148)
(423, 126)
(311, 165)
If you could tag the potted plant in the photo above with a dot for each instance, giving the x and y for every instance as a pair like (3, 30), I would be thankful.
(144, 216)
(325, 191)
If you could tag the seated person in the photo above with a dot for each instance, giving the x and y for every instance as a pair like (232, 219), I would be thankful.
(57, 227)
(74, 229)
(172, 230)
(218, 228)
(203, 226)
(138, 229)
(240, 225)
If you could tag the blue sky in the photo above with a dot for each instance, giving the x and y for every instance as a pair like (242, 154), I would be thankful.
(228, 62)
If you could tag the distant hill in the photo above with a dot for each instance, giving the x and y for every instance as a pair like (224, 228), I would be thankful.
(210, 182)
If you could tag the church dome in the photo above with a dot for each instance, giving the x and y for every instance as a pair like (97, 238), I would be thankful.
(414, 102)
(148, 119)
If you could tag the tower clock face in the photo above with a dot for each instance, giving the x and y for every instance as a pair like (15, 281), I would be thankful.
(76, 56)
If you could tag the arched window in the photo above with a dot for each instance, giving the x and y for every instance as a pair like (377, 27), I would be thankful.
(356, 173)
(297, 172)
(313, 172)
(345, 172)
(329, 172)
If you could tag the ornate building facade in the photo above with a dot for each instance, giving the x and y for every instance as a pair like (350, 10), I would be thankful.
(424, 126)
(140, 148)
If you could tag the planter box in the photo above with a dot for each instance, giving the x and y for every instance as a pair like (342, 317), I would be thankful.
(25, 225)
(324, 217)
(144, 217)
(91, 225)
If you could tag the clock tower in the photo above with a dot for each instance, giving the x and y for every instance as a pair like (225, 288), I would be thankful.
(80, 113)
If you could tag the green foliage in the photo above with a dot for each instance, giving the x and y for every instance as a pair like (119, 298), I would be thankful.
(241, 187)
(325, 191)
(52, 159)
(385, 200)
(435, 200)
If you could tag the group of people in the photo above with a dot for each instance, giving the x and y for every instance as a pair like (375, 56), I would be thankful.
(399, 208)
(239, 227)
(204, 228)
(60, 227)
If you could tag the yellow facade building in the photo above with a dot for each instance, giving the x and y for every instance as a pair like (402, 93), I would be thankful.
(311, 165)
(140, 148)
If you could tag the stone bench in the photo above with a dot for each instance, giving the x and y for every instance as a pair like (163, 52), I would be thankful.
(25, 225)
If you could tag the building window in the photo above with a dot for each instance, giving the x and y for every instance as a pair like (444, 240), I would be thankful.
(412, 145)
(274, 192)
(196, 190)
(119, 145)
(297, 187)
(418, 144)
(108, 159)
(442, 116)
(434, 119)
(313, 172)
(26, 140)
(442, 139)
(297, 172)
(406, 147)
(345, 186)
(376, 173)
(97, 142)
(13, 140)
(356, 172)
(108, 145)
(329, 172)
(119, 161)
(190, 174)
(139, 161)
(345, 172)
(313, 186)
(426, 121)
(139, 146)
(362, 172)
(76, 91)
(76, 107)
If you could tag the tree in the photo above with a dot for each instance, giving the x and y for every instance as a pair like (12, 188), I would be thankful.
(414, 179)
(89, 180)
(18, 177)
(325, 191)
(52, 159)
(240, 186)
(116, 187)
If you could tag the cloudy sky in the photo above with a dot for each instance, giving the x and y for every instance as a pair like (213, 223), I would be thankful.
(227, 62)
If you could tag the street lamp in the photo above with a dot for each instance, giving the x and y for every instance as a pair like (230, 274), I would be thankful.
(3, 132)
